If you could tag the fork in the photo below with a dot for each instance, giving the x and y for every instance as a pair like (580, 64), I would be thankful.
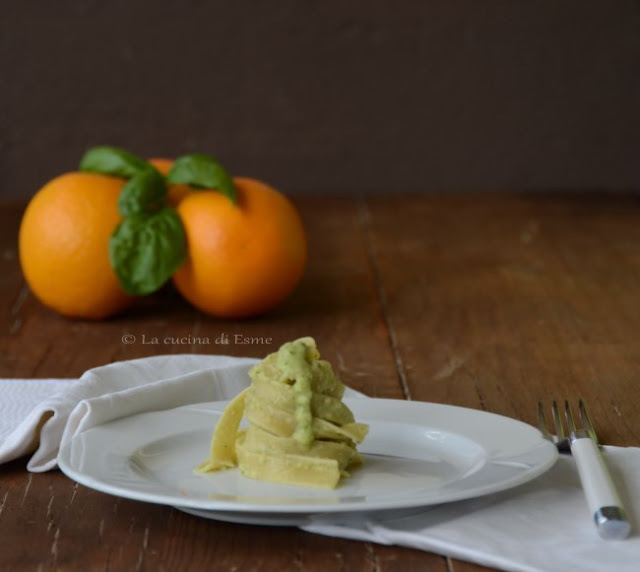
(603, 500)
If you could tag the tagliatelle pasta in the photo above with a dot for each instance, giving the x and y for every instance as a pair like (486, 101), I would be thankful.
(299, 430)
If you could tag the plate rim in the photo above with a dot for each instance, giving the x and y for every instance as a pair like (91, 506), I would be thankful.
(229, 506)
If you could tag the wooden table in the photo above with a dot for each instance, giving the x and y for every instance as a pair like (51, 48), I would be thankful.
(488, 301)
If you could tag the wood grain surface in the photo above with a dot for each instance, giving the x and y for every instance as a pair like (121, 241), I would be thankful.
(488, 301)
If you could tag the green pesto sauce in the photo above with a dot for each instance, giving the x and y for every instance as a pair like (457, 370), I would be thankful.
(293, 362)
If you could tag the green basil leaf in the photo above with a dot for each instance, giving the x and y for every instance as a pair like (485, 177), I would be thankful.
(146, 249)
(113, 161)
(202, 171)
(145, 192)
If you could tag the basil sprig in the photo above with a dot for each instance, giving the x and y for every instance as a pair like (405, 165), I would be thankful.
(113, 161)
(149, 245)
(146, 249)
(145, 192)
(204, 172)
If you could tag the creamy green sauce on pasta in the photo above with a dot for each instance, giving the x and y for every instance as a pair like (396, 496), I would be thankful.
(295, 366)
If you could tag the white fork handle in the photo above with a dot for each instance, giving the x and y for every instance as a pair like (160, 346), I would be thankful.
(602, 497)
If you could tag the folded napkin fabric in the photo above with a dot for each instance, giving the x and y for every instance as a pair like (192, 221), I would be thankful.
(543, 525)
(44, 414)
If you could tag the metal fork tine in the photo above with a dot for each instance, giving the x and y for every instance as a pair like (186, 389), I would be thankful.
(585, 421)
(569, 416)
(559, 429)
(542, 422)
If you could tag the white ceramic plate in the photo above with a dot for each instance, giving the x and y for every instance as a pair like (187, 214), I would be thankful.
(416, 454)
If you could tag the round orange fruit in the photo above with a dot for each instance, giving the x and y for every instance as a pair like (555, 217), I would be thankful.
(244, 258)
(64, 245)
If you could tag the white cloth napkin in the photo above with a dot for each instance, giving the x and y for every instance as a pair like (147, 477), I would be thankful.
(543, 525)
(66, 407)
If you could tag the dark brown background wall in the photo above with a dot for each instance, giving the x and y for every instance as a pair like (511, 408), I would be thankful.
(329, 96)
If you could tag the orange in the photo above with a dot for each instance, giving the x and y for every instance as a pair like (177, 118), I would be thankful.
(176, 192)
(245, 258)
(64, 245)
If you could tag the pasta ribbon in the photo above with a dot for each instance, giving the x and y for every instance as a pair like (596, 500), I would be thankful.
(299, 431)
